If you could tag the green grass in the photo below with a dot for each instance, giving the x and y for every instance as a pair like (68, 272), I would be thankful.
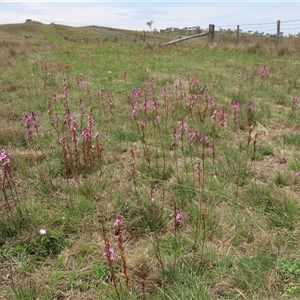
(50, 34)
(205, 215)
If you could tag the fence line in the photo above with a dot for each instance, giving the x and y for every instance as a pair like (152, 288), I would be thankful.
(275, 30)
(210, 35)
(261, 28)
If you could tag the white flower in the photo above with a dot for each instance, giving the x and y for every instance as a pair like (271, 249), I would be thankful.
(43, 231)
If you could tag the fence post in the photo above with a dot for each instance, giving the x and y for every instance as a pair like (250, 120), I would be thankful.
(237, 34)
(211, 35)
(278, 33)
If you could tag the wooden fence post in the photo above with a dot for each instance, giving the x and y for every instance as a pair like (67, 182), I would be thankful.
(278, 33)
(211, 35)
(237, 34)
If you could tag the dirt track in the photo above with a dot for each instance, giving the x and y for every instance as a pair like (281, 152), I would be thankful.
(111, 33)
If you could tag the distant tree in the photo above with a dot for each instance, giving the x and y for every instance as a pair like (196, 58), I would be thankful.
(197, 29)
(28, 20)
(150, 23)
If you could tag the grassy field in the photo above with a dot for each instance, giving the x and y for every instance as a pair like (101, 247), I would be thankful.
(132, 170)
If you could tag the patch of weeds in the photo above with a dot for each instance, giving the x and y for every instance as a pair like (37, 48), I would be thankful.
(170, 246)
(100, 272)
(264, 150)
(59, 261)
(81, 208)
(153, 219)
(251, 274)
(89, 189)
(290, 275)
(156, 172)
(9, 252)
(244, 235)
(236, 169)
(48, 244)
(224, 265)
(56, 168)
(186, 282)
(281, 100)
(125, 135)
(13, 225)
(263, 112)
(262, 198)
(143, 216)
(292, 116)
(149, 219)
(22, 291)
(294, 163)
(282, 179)
(292, 139)
(75, 281)
(284, 215)
(184, 192)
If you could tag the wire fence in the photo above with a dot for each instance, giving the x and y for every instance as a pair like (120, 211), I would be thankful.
(275, 31)
(289, 28)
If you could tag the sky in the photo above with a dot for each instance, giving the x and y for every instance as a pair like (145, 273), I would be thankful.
(259, 16)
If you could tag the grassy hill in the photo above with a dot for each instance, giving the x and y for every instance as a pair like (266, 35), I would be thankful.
(132, 170)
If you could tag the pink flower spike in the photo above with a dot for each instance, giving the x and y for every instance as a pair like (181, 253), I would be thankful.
(110, 255)
(177, 215)
(118, 220)
(175, 135)
(213, 116)
(298, 173)
(182, 126)
(264, 71)
(236, 104)
(133, 157)
(250, 105)
(204, 139)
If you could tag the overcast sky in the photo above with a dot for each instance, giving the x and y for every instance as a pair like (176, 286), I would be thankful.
(262, 15)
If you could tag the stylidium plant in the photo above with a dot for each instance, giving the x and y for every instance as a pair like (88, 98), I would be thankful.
(31, 125)
(117, 223)
(133, 162)
(264, 72)
(222, 119)
(235, 107)
(294, 101)
(177, 217)
(7, 182)
(250, 122)
(109, 254)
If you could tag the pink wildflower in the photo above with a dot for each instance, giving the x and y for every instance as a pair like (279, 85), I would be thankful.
(250, 105)
(118, 220)
(110, 254)
(235, 104)
(177, 216)
(264, 71)
(294, 100)
(133, 157)
(182, 126)
(213, 116)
